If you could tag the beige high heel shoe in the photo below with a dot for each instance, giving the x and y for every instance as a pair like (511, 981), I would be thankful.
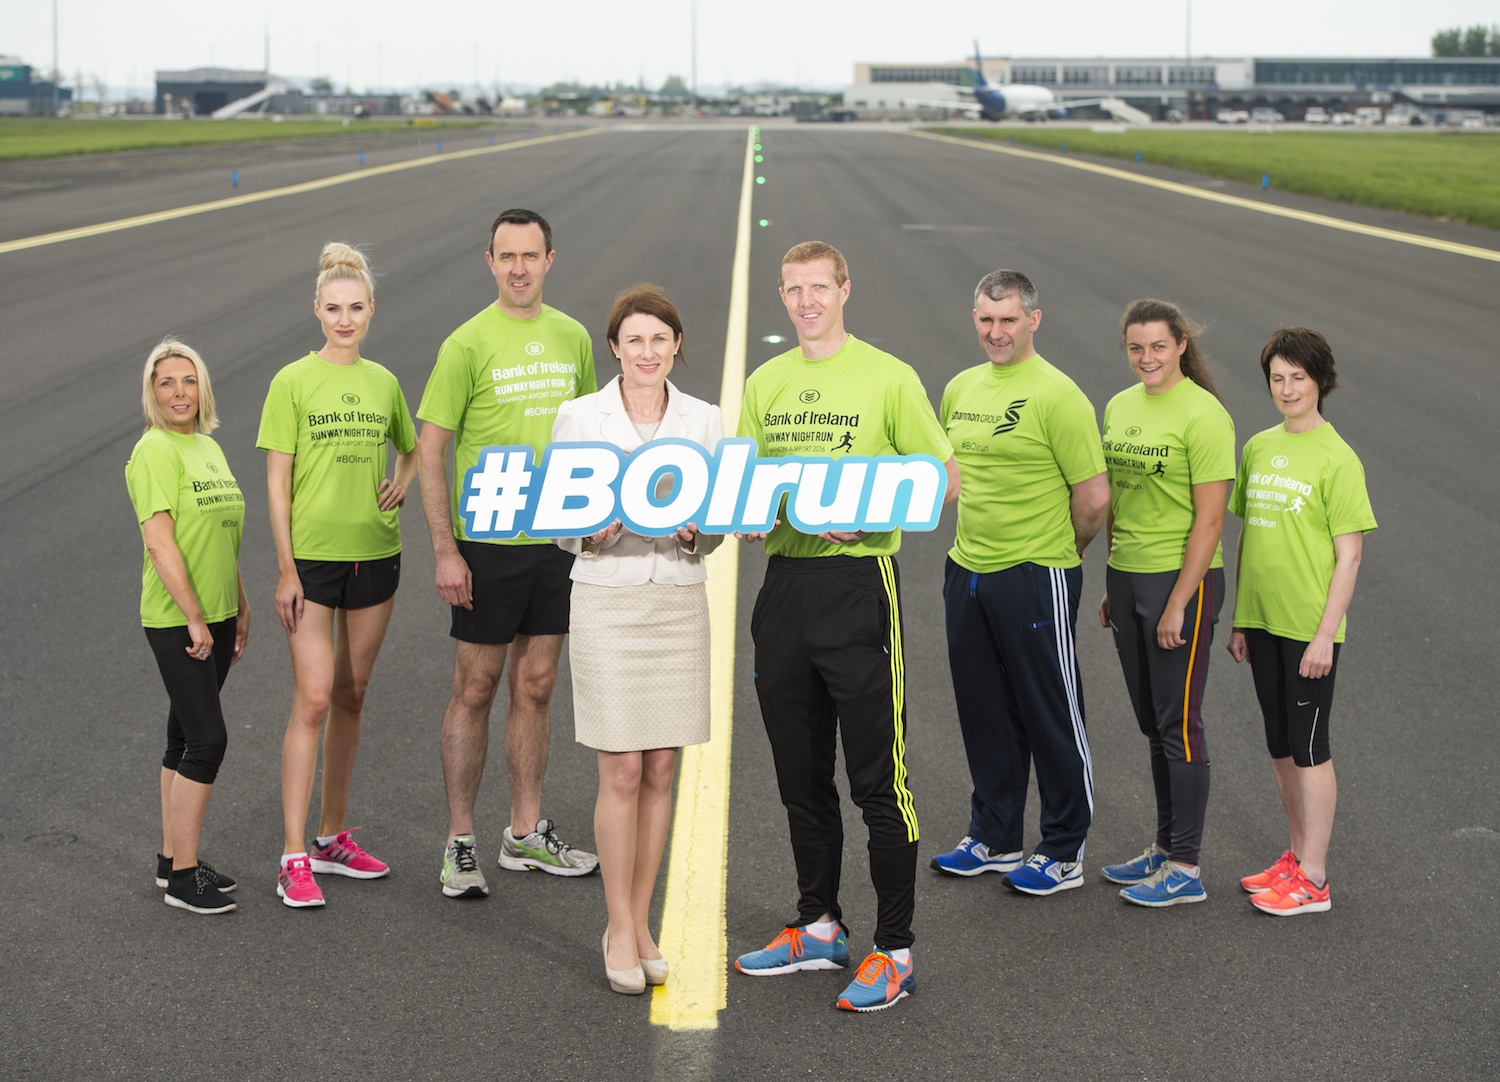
(655, 970)
(628, 982)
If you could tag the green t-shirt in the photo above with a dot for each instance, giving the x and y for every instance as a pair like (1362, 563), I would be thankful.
(498, 382)
(1157, 447)
(1023, 435)
(187, 477)
(860, 401)
(337, 421)
(1296, 493)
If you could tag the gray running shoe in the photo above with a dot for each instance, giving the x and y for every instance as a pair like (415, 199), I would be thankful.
(543, 850)
(461, 875)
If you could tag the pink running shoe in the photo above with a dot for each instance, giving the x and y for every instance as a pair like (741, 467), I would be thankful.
(343, 856)
(296, 885)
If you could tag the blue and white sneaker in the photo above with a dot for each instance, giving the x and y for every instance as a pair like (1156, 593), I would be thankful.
(1169, 885)
(1042, 875)
(880, 983)
(794, 949)
(1135, 871)
(972, 858)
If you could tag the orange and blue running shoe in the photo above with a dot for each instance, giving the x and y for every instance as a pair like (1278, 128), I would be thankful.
(880, 982)
(1292, 896)
(1285, 866)
(797, 948)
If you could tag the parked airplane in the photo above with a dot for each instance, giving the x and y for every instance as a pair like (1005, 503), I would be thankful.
(1002, 101)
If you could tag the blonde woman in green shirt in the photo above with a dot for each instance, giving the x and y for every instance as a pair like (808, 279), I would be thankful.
(325, 428)
(193, 605)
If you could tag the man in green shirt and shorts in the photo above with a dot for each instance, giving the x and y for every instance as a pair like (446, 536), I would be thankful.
(498, 381)
(827, 630)
(1035, 494)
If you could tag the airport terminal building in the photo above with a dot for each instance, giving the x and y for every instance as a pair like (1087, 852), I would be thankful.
(23, 94)
(1195, 88)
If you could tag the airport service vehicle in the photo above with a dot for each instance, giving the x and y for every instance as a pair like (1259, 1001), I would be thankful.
(1315, 114)
(1340, 119)
(1263, 115)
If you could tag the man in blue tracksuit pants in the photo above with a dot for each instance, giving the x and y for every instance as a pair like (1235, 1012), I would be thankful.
(1035, 493)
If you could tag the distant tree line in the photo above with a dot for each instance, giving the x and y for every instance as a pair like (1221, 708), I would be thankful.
(1477, 40)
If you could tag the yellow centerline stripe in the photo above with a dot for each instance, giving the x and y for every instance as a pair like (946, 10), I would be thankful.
(692, 920)
(173, 213)
(1310, 218)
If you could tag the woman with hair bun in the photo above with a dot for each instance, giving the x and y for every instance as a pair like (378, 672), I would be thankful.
(1169, 448)
(638, 634)
(334, 517)
(193, 603)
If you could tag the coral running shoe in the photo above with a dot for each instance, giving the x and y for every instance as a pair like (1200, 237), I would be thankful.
(1285, 865)
(880, 982)
(296, 885)
(1292, 896)
(797, 948)
(343, 856)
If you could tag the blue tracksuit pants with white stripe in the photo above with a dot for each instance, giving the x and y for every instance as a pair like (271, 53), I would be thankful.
(1020, 701)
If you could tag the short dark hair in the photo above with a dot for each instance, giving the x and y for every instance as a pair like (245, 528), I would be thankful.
(1309, 351)
(646, 299)
(999, 284)
(517, 216)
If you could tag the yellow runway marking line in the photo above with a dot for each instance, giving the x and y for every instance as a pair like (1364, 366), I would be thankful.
(692, 920)
(44, 239)
(1310, 218)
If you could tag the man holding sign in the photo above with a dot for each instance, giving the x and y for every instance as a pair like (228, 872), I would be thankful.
(828, 636)
(499, 379)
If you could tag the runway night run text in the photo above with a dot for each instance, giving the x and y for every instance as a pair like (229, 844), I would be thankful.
(580, 488)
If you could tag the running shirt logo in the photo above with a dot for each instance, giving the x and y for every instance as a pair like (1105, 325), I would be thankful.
(809, 396)
(1012, 417)
(535, 349)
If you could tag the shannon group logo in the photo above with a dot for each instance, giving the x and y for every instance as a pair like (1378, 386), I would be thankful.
(350, 398)
(809, 396)
(1012, 417)
(535, 349)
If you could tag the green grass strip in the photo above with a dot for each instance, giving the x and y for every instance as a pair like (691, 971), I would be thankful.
(45, 138)
(1450, 176)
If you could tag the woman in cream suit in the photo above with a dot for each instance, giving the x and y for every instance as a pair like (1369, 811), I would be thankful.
(638, 632)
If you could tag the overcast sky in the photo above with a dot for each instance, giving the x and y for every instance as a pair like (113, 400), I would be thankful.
(398, 44)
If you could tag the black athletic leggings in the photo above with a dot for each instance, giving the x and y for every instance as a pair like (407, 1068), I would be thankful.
(196, 736)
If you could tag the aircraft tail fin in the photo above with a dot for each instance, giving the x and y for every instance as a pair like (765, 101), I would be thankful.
(979, 66)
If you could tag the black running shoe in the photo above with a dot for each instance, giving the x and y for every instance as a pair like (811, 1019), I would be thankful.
(216, 877)
(196, 893)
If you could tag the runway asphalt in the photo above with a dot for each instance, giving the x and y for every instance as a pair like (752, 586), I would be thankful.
(393, 981)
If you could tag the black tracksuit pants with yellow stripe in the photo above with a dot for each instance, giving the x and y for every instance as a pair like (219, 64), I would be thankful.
(828, 660)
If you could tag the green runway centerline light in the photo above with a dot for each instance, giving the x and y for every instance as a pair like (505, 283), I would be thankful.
(759, 158)
(760, 180)
(765, 222)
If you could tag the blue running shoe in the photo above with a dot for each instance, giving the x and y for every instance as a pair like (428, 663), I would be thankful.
(1042, 875)
(1169, 885)
(880, 982)
(1135, 871)
(972, 858)
(794, 949)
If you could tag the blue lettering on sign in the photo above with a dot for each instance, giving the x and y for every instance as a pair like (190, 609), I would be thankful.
(580, 488)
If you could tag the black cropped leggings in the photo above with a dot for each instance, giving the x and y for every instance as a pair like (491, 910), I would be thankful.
(196, 736)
